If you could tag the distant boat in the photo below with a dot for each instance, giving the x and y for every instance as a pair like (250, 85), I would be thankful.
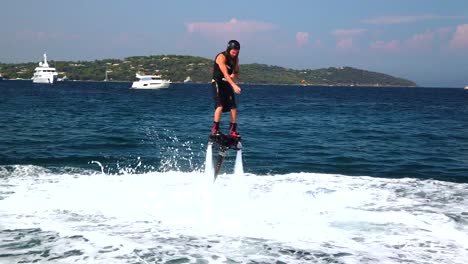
(466, 87)
(106, 79)
(1, 77)
(64, 78)
(150, 82)
(188, 80)
(44, 73)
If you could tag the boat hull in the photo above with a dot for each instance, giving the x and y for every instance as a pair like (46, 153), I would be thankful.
(48, 80)
(143, 85)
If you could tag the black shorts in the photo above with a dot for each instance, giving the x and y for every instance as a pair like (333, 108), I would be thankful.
(223, 95)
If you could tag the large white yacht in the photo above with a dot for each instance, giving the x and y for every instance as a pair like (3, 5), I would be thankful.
(44, 73)
(150, 82)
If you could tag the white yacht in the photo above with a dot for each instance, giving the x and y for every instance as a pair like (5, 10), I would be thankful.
(188, 80)
(44, 73)
(466, 87)
(63, 79)
(150, 82)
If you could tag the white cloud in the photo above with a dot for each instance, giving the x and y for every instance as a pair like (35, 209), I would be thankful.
(346, 38)
(390, 46)
(229, 27)
(460, 37)
(302, 38)
(29, 35)
(421, 40)
(443, 32)
(346, 33)
(389, 20)
(345, 44)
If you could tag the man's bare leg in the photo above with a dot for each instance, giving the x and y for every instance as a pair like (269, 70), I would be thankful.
(234, 115)
(233, 127)
(216, 119)
(217, 114)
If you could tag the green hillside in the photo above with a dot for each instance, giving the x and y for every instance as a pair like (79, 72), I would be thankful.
(177, 68)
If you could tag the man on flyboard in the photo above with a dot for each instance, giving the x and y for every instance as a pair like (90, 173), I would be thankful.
(225, 71)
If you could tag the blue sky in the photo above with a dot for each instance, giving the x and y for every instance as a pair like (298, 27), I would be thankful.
(422, 40)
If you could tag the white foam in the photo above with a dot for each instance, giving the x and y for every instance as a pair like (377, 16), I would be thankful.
(238, 166)
(209, 170)
(373, 218)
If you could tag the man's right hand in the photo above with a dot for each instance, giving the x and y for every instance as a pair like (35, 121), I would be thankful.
(236, 88)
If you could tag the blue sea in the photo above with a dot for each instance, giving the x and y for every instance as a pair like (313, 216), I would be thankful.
(95, 172)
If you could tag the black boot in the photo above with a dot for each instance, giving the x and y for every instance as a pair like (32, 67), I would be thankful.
(233, 130)
(215, 129)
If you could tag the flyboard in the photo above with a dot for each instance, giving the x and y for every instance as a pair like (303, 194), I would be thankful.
(223, 143)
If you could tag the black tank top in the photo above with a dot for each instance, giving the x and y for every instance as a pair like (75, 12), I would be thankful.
(230, 64)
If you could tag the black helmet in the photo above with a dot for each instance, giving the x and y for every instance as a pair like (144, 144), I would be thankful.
(233, 44)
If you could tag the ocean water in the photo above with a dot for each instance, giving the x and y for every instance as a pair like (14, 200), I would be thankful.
(99, 173)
